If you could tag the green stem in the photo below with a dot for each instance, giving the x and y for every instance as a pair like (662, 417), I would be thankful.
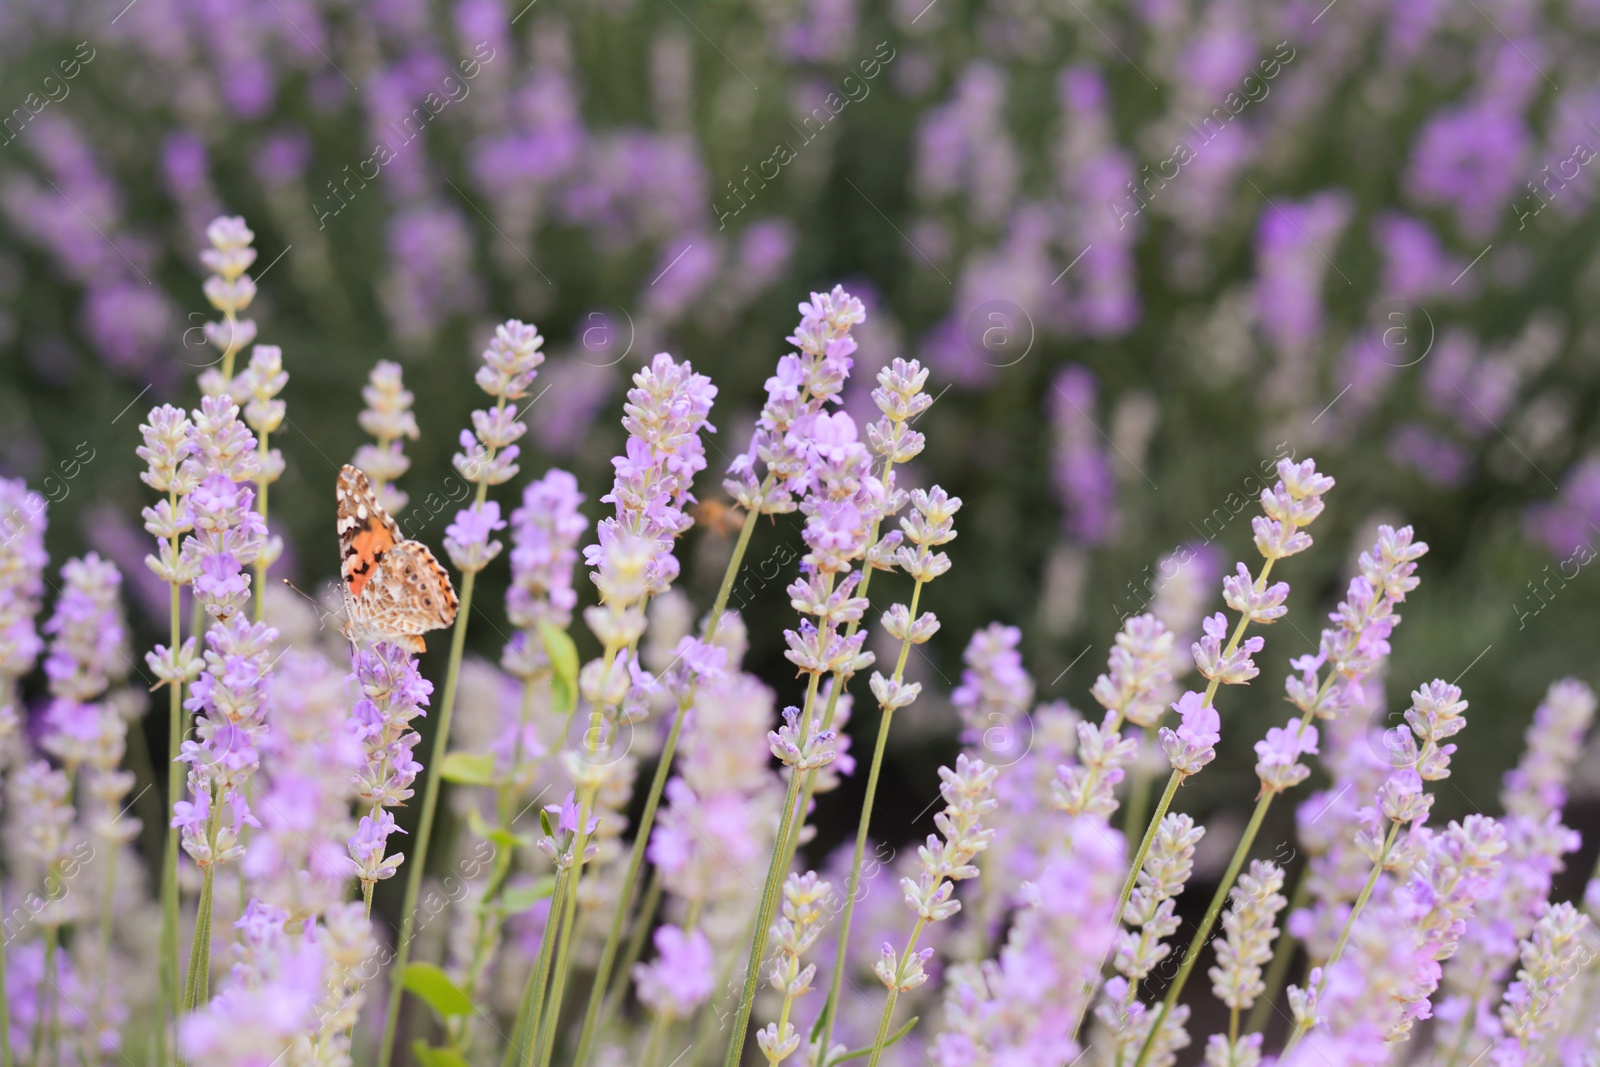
(634, 948)
(1282, 955)
(197, 990)
(551, 1021)
(430, 803)
(51, 936)
(641, 840)
(852, 886)
(894, 995)
(769, 892)
(1197, 943)
(5, 1003)
(652, 1045)
(1344, 934)
(170, 857)
(524, 1033)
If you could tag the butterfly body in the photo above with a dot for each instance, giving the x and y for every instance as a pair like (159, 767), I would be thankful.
(394, 589)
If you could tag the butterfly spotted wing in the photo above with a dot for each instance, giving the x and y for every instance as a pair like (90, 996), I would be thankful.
(394, 588)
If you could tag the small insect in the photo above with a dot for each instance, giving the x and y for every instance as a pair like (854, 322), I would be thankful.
(394, 588)
(717, 517)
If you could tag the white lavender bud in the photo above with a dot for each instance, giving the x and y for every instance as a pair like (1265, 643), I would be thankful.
(1248, 931)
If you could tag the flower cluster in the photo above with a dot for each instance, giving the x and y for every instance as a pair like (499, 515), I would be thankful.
(544, 538)
(797, 929)
(489, 450)
(1151, 914)
(22, 563)
(388, 419)
(393, 693)
(806, 381)
(229, 700)
(230, 291)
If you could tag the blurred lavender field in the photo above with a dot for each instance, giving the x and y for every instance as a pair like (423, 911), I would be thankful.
(1146, 251)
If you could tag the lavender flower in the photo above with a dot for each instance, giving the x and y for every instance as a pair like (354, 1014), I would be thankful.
(1551, 958)
(967, 794)
(681, 977)
(229, 700)
(22, 563)
(1190, 746)
(796, 930)
(1082, 469)
(388, 418)
(230, 290)
(310, 765)
(1247, 935)
(86, 653)
(544, 537)
(271, 998)
(489, 450)
(994, 680)
(393, 693)
(804, 383)
(1150, 913)
(1137, 671)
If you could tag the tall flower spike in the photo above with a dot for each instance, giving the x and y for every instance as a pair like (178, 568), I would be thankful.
(229, 700)
(22, 563)
(797, 929)
(387, 417)
(804, 383)
(1151, 914)
(1552, 957)
(392, 694)
(230, 291)
(510, 363)
(544, 539)
(1248, 931)
(489, 450)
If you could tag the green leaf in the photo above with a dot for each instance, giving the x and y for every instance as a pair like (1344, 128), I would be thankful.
(515, 900)
(499, 836)
(428, 1056)
(434, 986)
(468, 768)
(856, 1053)
(562, 652)
(563, 697)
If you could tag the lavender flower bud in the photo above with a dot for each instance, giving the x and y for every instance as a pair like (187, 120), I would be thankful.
(1233, 668)
(1137, 671)
(166, 445)
(1552, 957)
(1258, 605)
(1278, 756)
(1248, 931)
(1190, 746)
(511, 361)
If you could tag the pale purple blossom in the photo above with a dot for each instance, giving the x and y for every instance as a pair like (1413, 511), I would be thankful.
(681, 977)
(1192, 745)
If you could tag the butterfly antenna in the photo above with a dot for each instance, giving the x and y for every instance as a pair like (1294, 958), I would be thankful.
(322, 611)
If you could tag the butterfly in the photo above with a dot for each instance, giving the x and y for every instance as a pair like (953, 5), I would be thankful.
(394, 588)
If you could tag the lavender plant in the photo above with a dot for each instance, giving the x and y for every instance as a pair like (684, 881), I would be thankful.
(1422, 943)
